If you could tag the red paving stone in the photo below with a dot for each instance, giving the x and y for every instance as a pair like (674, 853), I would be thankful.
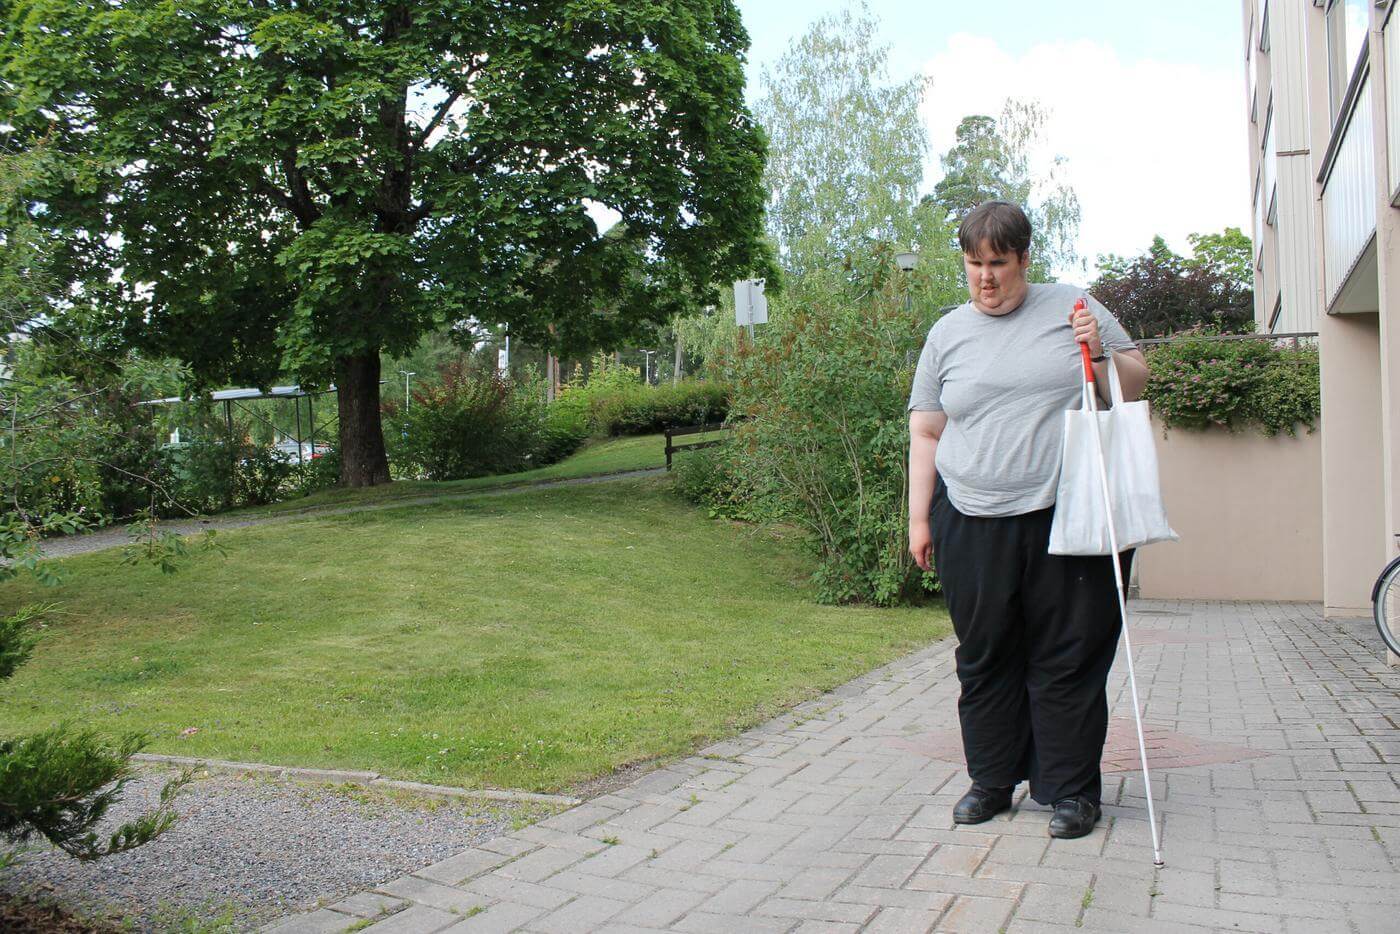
(1166, 749)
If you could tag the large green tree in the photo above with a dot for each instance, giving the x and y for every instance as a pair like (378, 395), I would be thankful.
(1159, 292)
(994, 159)
(847, 146)
(289, 188)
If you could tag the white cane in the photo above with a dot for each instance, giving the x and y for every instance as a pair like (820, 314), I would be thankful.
(1091, 401)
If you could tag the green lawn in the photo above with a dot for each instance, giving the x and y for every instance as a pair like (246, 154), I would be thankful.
(529, 640)
(597, 457)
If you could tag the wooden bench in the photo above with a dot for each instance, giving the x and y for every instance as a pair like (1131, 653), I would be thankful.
(673, 433)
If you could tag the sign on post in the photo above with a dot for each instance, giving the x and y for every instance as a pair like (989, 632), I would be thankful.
(750, 304)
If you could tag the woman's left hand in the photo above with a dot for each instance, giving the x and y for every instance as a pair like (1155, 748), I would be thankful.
(1086, 331)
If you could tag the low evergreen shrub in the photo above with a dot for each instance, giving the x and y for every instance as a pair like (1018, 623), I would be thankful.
(471, 423)
(649, 410)
(1197, 383)
(612, 400)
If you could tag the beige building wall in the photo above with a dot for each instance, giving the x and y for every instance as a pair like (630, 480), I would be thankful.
(1249, 512)
(1353, 526)
(1386, 73)
(1322, 246)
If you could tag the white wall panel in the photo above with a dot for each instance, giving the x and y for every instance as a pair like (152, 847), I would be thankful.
(1297, 258)
(1349, 195)
(1270, 163)
(1392, 99)
(1288, 64)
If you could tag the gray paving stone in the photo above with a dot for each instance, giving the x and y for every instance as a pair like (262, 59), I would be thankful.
(814, 883)
(811, 910)
(903, 921)
(976, 914)
(368, 905)
(580, 883)
(739, 897)
(1215, 917)
(322, 921)
(417, 919)
(541, 864)
(700, 922)
(436, 895)
(841, 820)
(462, 866)
(893, 898)
(500, 918)
(513, 890)
(660, 909)
(1048, 902)
(585, 913)
(826, 927)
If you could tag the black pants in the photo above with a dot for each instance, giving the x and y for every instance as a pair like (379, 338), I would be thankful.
(1036, 637)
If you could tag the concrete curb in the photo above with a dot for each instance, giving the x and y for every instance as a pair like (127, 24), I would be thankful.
(368, 779)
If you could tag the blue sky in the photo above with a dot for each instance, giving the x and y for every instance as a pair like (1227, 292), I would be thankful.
(1146, 98)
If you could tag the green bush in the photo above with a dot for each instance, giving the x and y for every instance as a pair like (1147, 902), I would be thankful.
(321, 472)
(1196, 383)
(648, 410)
(823, 396)
(262, 475)
(592, 399)
(563, 433)
(202, 475)
(613, 400)
(472, 423)
(715, 478)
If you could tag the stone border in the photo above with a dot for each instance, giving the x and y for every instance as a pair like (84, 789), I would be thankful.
(368, 779)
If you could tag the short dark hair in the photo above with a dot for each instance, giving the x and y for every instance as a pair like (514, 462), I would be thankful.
(1000, 224)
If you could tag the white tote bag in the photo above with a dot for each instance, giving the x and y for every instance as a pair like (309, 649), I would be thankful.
(1080, 526)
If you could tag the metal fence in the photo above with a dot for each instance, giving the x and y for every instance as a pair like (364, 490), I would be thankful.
(1296, 339)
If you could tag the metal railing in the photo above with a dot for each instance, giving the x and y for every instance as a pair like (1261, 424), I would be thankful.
(1296, 338)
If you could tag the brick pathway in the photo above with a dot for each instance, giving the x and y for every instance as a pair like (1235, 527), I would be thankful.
(1276, 741)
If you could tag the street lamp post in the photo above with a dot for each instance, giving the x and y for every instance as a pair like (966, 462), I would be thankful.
(406, 375)
(648, 354)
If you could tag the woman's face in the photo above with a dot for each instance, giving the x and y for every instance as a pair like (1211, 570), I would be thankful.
(996, 281)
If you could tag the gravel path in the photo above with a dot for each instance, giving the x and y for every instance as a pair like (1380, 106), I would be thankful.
(247, 850)
(118, 535)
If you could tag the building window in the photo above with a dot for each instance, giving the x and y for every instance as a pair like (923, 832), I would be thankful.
(1264, 40)
(1348, 23)
(1278, 312)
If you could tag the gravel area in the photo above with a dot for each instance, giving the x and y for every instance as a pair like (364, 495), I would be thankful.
(247, 850)
(119, 535)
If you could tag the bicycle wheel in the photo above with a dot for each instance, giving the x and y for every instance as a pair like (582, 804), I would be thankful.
(1385, 605)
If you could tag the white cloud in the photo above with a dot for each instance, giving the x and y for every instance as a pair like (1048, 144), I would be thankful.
(1153, 147)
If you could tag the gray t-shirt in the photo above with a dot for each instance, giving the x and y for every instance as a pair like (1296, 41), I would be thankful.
(1004, 382)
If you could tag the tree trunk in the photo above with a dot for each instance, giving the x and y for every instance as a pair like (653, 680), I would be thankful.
(363, 461)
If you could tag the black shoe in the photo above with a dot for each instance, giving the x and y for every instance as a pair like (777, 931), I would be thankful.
(1073, 817)
(981, 804)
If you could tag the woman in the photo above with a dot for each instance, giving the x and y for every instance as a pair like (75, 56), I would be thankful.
(1036, 632)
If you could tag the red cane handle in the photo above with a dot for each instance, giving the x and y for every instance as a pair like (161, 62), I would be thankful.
(1081, 305)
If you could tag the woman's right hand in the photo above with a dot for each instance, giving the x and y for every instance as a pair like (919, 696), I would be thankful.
(921, 544)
